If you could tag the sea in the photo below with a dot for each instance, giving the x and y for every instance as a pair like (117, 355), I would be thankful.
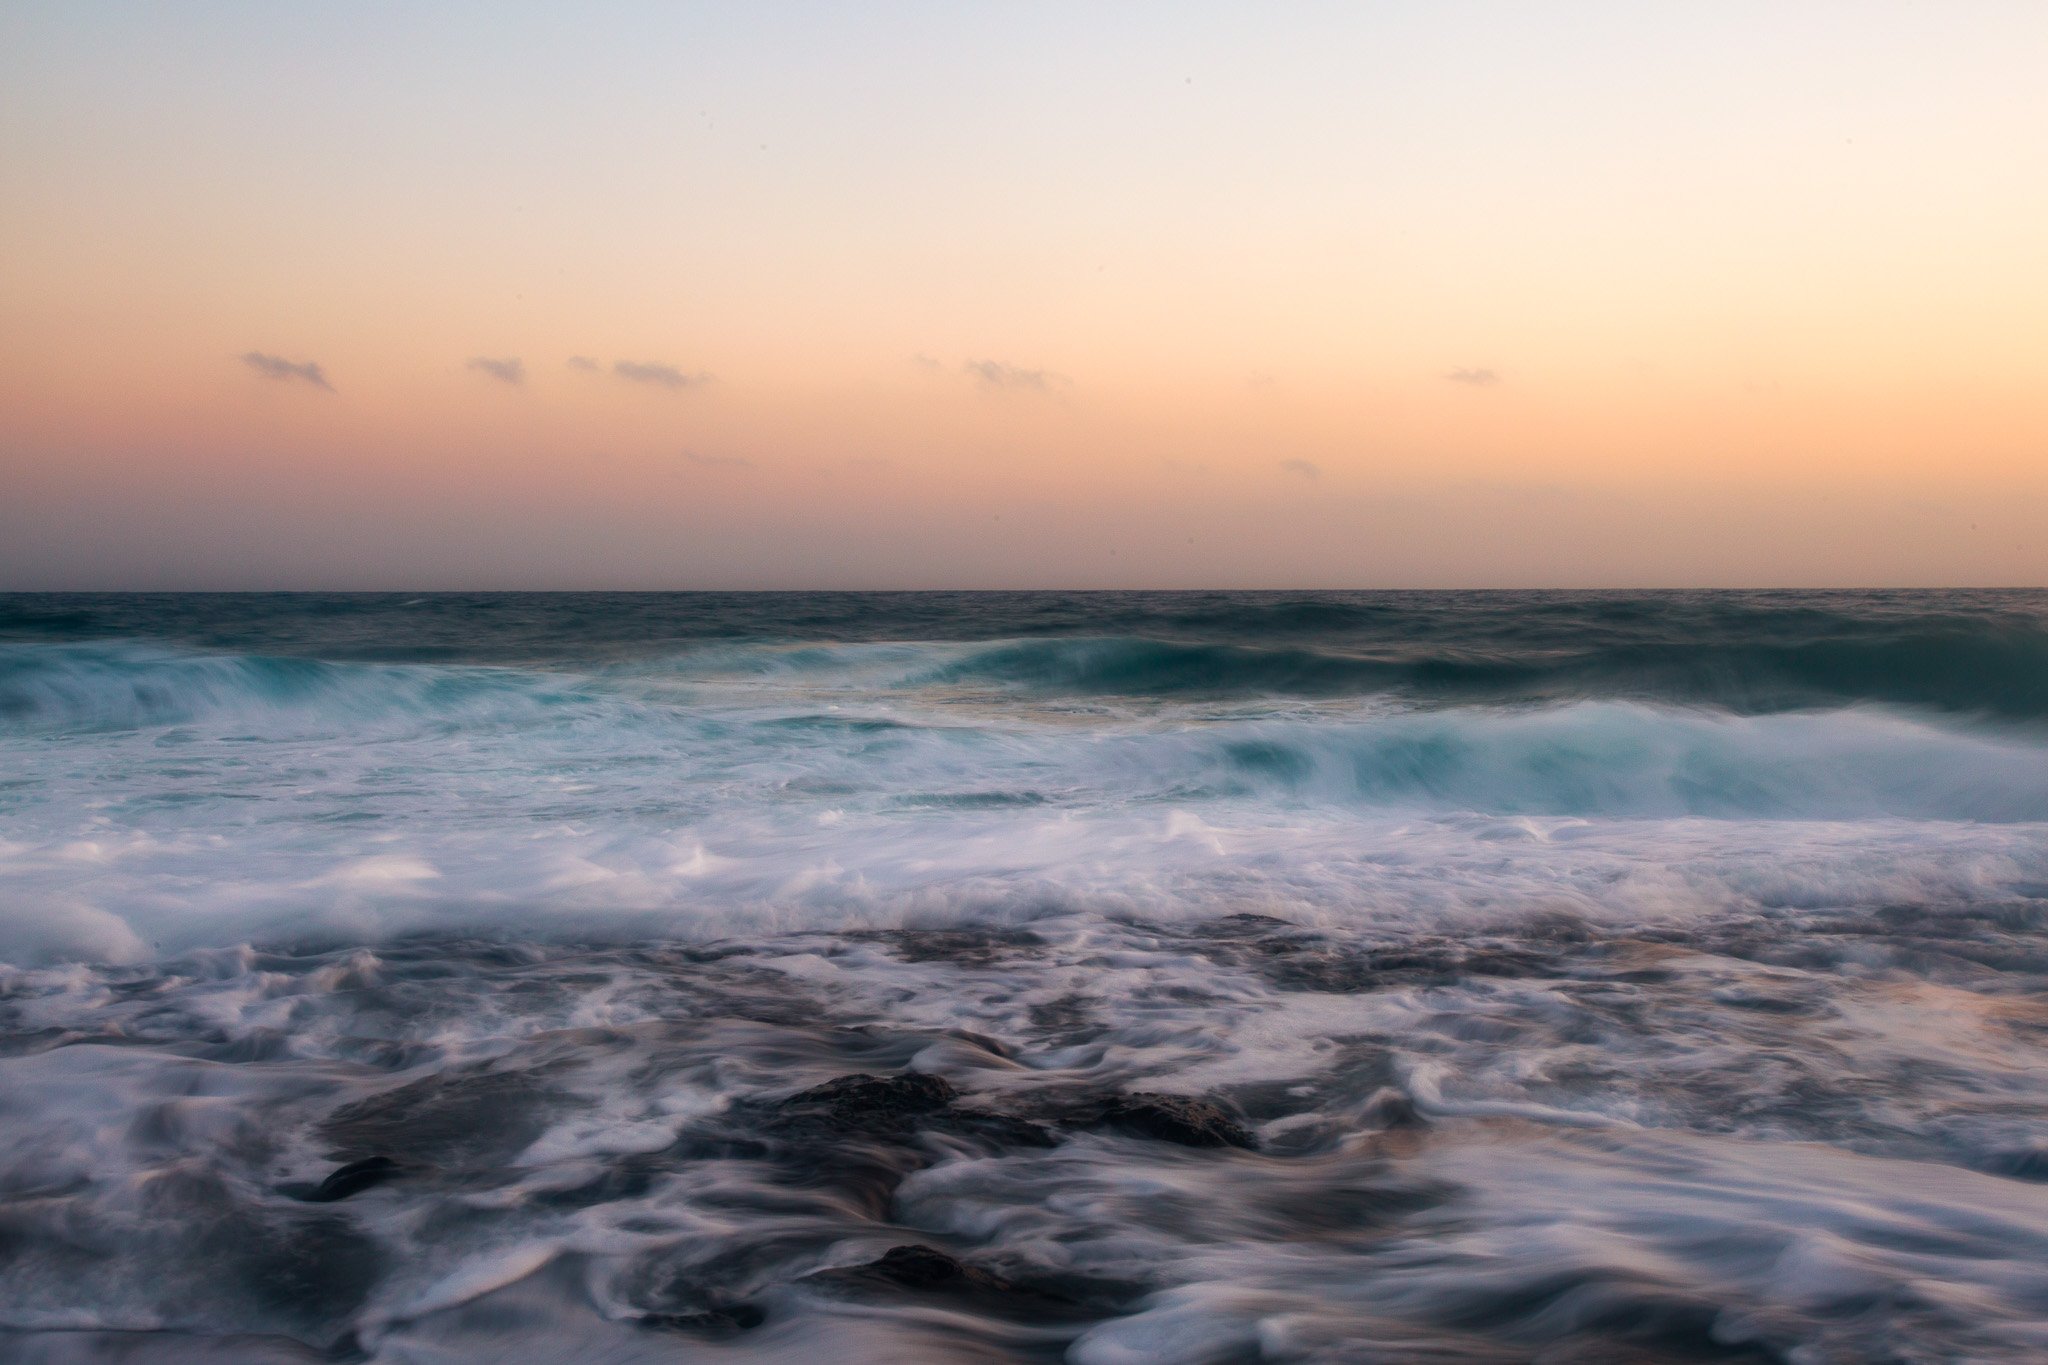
(1108, 978)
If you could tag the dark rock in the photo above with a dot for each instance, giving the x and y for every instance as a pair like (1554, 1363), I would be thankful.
(316, 1270)
(354, 1178)
(1239, 926)
(452, 1119)
(927, 1268)
(864, 1104)
(305, 1272)
(927, 1271)
(857, 1136)
(1299, 961)
(1187, 1120)
(894, 1108)
(1068, 1019)
(962, 947)
(738, 1317)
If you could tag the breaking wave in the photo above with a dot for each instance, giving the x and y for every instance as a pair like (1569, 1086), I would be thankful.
(1104, 978)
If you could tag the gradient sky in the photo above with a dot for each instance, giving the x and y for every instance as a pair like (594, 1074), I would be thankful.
(923, 295)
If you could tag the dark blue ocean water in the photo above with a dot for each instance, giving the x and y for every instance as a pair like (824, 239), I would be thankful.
(1964, 651)
(1598, 976)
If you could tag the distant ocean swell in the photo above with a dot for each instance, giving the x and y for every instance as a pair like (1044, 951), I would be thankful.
(1966, 653)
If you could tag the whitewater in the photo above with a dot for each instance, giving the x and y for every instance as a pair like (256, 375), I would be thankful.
(1234, 977)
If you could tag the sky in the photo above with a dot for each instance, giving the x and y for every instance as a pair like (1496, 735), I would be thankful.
(660, 295)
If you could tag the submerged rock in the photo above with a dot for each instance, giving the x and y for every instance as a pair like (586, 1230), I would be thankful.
(853, 1139)
(1185, 1119)
(925, 1271)
(721, 1321)
(895, 1108)
(466, 1118)
(864, 1103)
(354, 1178)
(916, 1266)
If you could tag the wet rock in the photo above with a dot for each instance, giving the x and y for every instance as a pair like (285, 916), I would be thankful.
(920, 1267)
(1295, 960)
(1184, 1119)
(863, 1103)
(451, 1119)
(924, 1271)
(893, 1108)
(853, 1140)
(354, 1178)
(722, 1321)
(1241, 926)
(1068, 1019)
(315, 1272)
(304, 1272)
(962, 947)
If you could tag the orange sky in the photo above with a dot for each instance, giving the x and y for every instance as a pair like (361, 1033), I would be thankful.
(1194, 295)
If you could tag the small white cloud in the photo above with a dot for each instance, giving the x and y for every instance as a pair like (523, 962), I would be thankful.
(509, 370)
(996, 374)
(664, 376)
(277, 367)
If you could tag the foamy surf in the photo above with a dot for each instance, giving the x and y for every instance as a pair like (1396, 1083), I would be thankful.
(1319, 978)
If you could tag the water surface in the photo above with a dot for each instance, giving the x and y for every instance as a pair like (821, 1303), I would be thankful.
(1591, 976)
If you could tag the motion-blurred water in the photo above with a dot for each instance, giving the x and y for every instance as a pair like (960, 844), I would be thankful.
(1597, 976)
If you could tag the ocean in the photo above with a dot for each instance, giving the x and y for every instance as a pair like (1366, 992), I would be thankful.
(1098, 977)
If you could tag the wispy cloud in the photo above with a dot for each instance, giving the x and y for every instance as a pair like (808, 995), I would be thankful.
(995, 374)
(511, 370)
(718, 461)
(665, 376)
(926, 363)
(583, 362)
(277, 367)
(1478, 379)
(1306, 469)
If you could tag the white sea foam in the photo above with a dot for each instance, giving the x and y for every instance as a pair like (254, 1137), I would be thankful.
(351, 802)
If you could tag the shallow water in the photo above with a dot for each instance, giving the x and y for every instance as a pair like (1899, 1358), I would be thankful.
(1591, 977)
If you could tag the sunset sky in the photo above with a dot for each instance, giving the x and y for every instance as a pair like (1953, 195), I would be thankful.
(977, 295)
